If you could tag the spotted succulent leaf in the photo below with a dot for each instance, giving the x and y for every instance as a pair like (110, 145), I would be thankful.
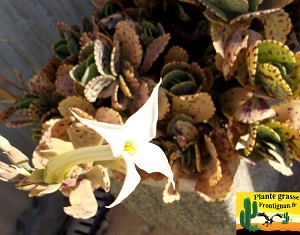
(83, 201)
(176, 53)
(99, 176)
(266, 133)
(269, 51)
(86, 51)
(290, 135)
(272, 80)
(233, 46)
(178, 117)
(82, 136)
(222, 144)
(217, 192)
(213, 169)
(115, 59)
(163, 104)
(184, 132)
(216, 10)
(251, 141)
(20, 122)
(232, 99)
(198, 106)
(175, 65)
(179, 82)
(218, 36)
(277, 25)
(254, 109)
(245, 20)
(96, 85)
(295, 76)
(288, 112)
(102, 56)
(64, 83)
(189, 159)
(75, 101)
(58, 129)
(41, 85)
(154, 49)
(77, 72)
(108, 115)
(119, 100)
(269, 4)
(131, 48)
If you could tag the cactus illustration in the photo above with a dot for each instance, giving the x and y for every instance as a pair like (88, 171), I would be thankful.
(246, 215)
(286, 218)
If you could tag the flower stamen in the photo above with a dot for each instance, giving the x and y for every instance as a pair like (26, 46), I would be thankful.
(130, 147)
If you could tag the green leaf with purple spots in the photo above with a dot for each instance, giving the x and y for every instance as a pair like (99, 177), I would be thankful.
(270, 77)
(290, 135)
(276, 52)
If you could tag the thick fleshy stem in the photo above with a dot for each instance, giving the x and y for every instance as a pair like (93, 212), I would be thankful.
(58, 167)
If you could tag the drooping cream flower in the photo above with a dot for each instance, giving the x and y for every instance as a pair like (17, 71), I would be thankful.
(131, 141)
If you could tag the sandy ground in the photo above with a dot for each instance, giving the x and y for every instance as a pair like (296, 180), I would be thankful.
(121, 221)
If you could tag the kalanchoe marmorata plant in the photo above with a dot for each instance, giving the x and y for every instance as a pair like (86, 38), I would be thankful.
(230, 88)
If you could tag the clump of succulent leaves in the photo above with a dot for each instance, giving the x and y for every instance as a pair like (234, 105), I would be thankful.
(260, 105)
(230, 89)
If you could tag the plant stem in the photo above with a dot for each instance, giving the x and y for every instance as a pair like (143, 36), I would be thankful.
(58, 167)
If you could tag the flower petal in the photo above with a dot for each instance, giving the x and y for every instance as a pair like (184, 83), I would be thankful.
(150, 158)
(113, 134)
(141, 126)
(132, 179)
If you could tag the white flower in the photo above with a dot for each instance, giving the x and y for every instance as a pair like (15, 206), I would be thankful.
(131, 142)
